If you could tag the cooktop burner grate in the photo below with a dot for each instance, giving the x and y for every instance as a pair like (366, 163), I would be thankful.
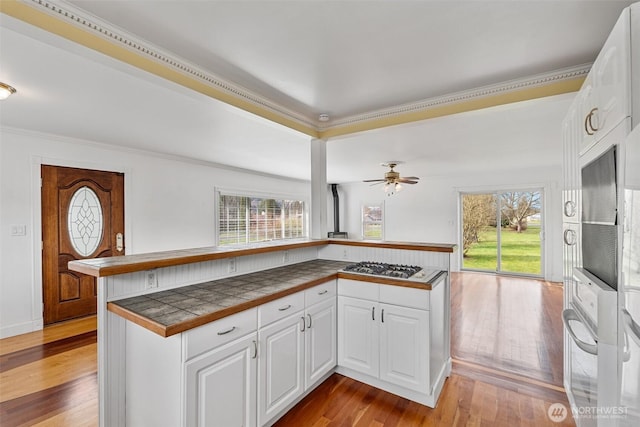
(383, 269)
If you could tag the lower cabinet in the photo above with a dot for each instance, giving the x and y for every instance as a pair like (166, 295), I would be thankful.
(220, 386)
(320, 341)
(249, 368)
(384, 341)
(395, 338)
(281, 363)
(295, 354)
(358, 336)
(404, 347)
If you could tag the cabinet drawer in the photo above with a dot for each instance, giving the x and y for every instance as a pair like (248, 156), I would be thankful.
(407, 297)
(280, 308)
(358, 289)
(214, 334)
(320, 293)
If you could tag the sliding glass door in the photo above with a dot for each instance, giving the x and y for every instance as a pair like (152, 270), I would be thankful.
(502, 232)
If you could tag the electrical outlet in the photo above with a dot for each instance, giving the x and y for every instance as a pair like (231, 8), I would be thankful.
(232, 265)
(152, 279)
(344, 254)
(285, 257)
(18, 230)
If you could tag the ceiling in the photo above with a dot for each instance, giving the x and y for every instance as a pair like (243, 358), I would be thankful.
(348, 59)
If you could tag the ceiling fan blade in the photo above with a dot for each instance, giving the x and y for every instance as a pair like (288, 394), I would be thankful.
(373, 180)
(407, 181)
(415, 178)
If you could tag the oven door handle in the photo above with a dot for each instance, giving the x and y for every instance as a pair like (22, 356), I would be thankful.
(631, 326)
(568, 315)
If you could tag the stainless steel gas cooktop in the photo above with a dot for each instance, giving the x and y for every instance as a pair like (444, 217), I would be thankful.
(383, 269)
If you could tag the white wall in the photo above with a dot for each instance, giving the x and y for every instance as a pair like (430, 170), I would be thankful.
(428, 211)
(169, 204)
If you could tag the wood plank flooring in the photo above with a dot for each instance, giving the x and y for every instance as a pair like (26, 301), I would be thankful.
(499, 378)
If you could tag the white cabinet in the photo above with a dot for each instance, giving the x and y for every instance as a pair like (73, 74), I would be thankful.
(404, 352)
(605, 97)
(281, 362)
(571, 204)
(296, 352)
(384, 341)
(220, 386)
(320, 341)
(394, 338)
(358, 336)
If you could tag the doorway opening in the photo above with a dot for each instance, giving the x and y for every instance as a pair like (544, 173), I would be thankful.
(503, 232)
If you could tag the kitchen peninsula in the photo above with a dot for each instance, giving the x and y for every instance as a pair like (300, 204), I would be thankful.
(238, 336)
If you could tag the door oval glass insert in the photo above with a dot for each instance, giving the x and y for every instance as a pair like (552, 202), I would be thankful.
(85, 222)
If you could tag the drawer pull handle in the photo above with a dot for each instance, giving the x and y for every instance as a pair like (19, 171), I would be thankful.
(588, 122)
(569, 209)
(302, 328)
(309, 324)
(373, 313)
(382, 315)
(286, 307)
(233, 328)
(570, 237)
(255, 349)
(323, 292)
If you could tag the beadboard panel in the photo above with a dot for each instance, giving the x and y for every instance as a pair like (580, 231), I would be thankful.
(436, 260)
(132, 284)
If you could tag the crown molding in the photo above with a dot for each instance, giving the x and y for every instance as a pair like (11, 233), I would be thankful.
(539, 80)
(64, 19)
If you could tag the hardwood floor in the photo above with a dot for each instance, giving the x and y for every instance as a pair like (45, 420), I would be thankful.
(507, 370)
(508, 323)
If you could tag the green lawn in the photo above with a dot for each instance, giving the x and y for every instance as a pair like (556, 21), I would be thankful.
(520, 251)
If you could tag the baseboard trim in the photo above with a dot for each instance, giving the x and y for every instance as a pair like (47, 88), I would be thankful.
(21, 328)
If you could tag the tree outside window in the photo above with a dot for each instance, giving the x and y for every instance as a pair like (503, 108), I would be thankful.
(372, 222)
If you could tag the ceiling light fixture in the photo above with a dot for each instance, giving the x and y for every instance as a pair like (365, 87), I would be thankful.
(323, 117)
(6, 90)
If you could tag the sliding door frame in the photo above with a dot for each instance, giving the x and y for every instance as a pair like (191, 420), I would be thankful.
(498, 191)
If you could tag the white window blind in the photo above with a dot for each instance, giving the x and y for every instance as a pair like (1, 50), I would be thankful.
(246, 219)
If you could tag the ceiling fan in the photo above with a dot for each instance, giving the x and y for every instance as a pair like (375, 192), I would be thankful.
(392, 181)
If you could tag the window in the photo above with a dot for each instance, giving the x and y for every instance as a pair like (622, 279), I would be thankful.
(246, 219)
(372, 225)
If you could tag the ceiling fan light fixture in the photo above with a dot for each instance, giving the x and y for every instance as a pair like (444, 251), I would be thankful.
(6, 91)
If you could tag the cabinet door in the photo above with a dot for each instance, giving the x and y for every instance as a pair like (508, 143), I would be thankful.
(612, 78)
(320, 341)
(220, 386)
(587, 114)
(404, 347)
(280, 366)
(358, 339)
(571, 168)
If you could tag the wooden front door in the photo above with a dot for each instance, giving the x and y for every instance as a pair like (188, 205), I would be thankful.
(82, 217)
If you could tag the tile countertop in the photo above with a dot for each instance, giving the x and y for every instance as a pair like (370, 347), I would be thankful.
(177, 310)
(180, 309)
